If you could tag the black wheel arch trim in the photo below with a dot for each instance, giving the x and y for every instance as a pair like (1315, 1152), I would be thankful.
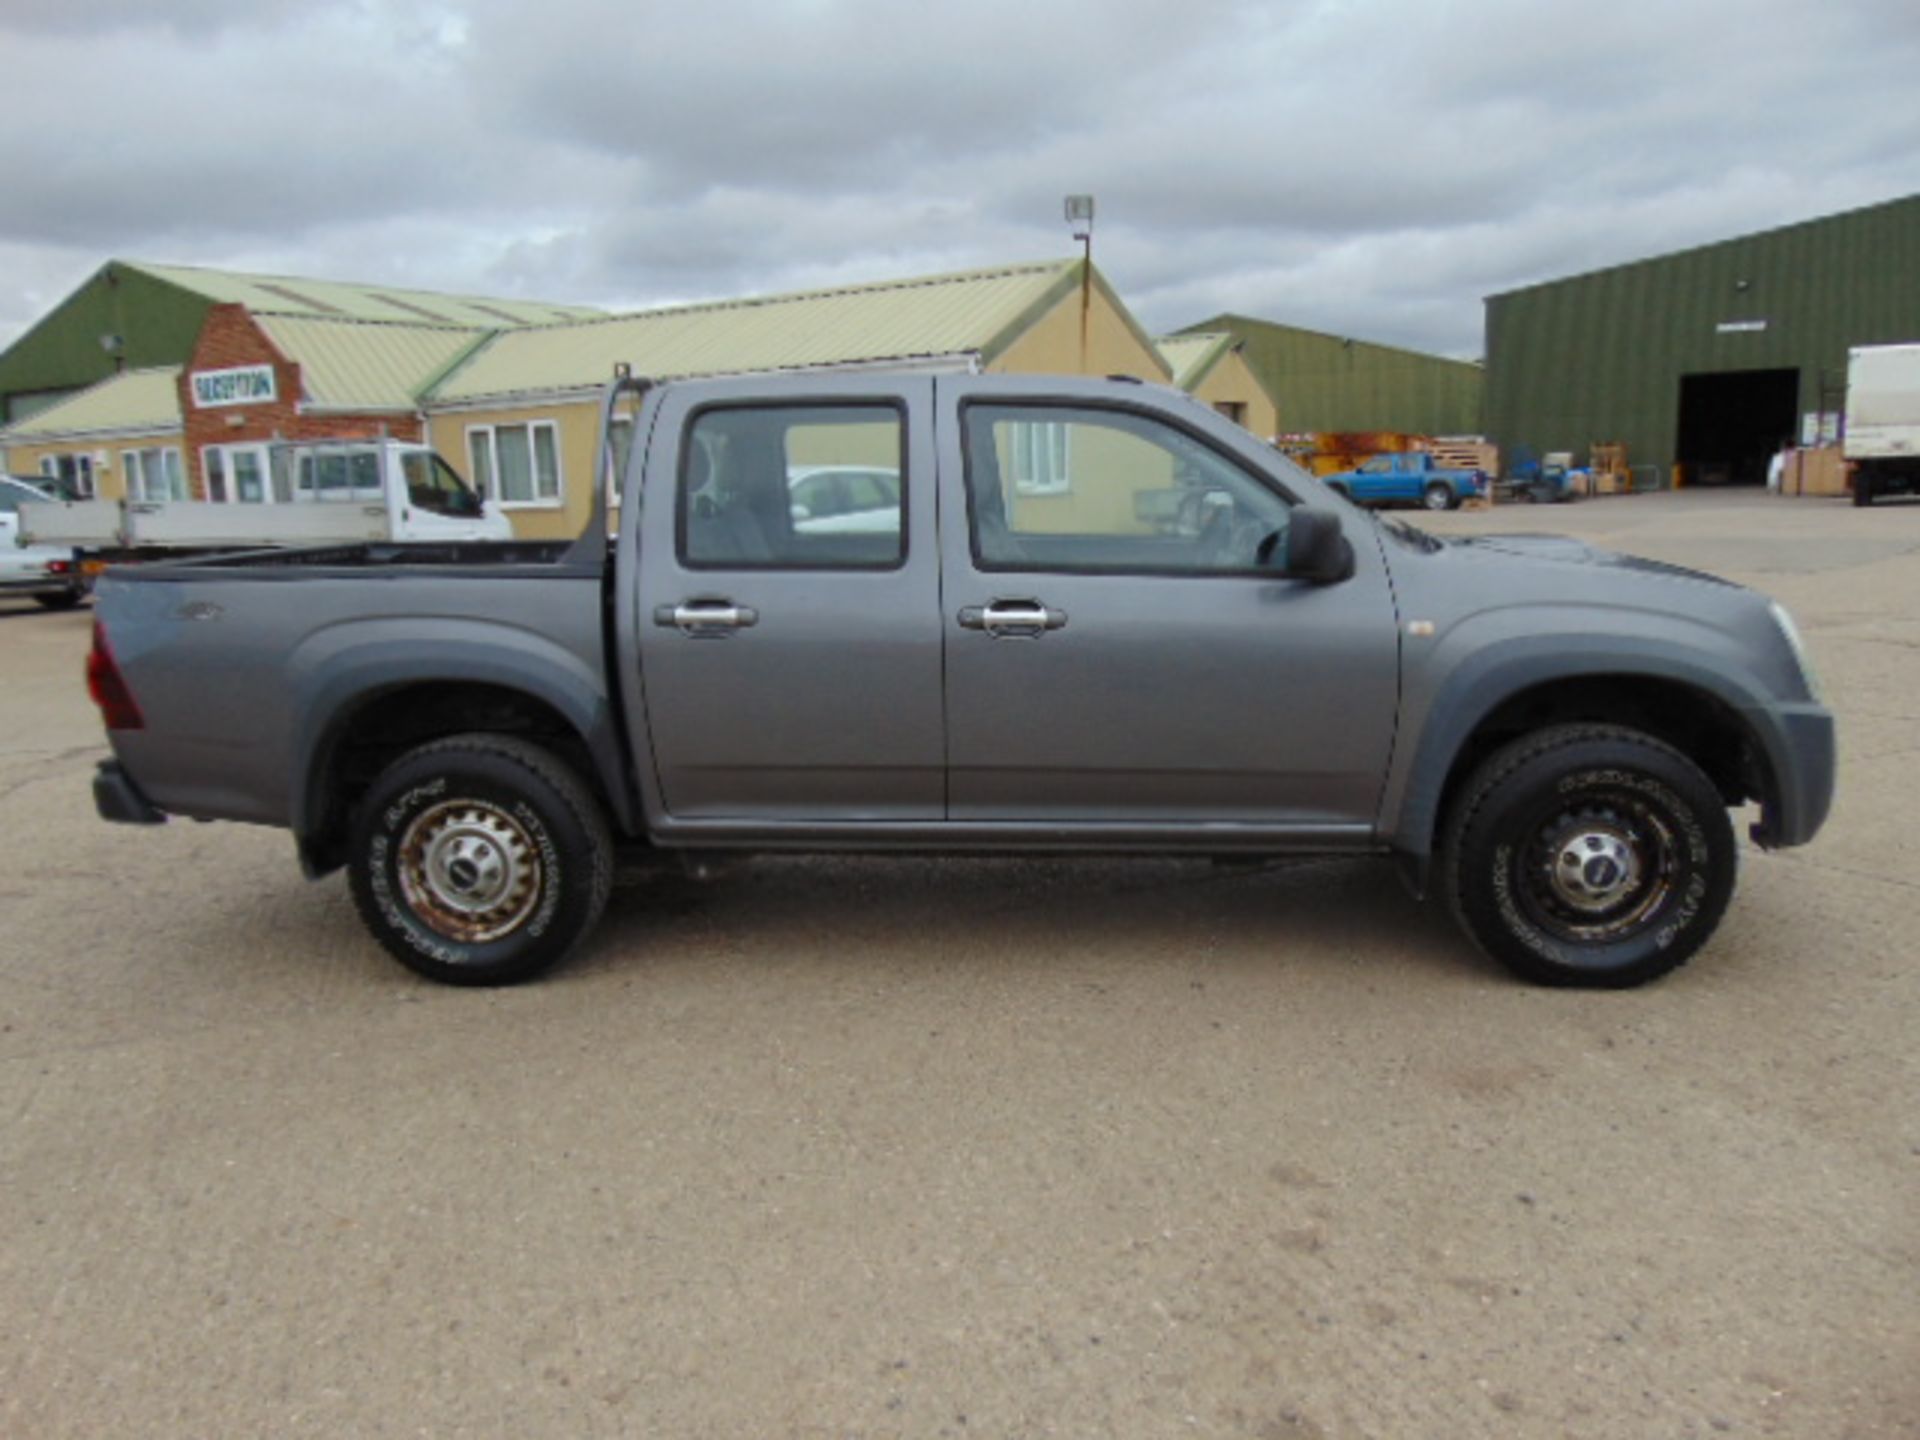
(331, 699)
(1798, 763)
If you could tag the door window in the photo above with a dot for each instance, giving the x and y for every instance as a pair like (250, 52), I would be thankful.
(1127, 493)
(432, 486)
(793, 487)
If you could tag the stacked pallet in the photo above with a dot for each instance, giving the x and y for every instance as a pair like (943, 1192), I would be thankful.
(1462, 452)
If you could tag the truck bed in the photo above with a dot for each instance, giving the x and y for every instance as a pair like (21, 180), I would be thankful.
(244, 677)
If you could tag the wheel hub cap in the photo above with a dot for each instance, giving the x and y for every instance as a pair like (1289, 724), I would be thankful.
(1595, 868)
(469, 870)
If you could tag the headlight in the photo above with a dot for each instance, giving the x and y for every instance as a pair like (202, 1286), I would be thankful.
(1797, 646)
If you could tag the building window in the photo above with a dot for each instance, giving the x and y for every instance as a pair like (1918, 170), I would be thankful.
(154, 474)
(240, 475)
(517, 465)
(73, 474)
(1038, 458)
(1234, 410)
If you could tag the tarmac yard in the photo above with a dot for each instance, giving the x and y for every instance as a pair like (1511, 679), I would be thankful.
(972, 1148)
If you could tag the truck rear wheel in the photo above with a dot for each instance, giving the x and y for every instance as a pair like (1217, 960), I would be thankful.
(1439, 496)
(1863, 487)
(1589, 855)
(480, 860)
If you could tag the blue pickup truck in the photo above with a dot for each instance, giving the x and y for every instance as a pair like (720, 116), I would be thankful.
(1408, 480)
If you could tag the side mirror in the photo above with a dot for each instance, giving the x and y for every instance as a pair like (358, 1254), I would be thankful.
(1316, 550)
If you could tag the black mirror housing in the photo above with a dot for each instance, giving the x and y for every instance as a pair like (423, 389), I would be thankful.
(1316, 550)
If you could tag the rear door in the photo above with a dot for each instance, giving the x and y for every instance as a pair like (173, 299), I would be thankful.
(790, 637)
(1116, 652)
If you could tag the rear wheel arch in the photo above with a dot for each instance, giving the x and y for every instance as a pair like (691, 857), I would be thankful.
(364, 732)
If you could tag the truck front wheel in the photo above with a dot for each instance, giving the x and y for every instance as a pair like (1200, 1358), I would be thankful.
(480, 860)
(1589, 855)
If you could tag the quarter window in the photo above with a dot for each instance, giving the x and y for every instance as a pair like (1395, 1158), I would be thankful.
(517, 465)
(793, 487)
(1134, 494)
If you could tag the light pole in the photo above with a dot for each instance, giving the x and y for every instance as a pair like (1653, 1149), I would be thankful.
(1079, 213)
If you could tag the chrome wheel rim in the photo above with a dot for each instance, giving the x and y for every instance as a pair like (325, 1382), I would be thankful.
(1436, 499)
(1600, 872)
(469, 870)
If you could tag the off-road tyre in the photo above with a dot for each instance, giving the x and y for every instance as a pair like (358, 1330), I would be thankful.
(1862, 488)
(511, 821)
(1590, 855)
(1439, 496)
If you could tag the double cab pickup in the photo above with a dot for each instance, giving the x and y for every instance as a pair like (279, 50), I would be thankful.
(965, 613)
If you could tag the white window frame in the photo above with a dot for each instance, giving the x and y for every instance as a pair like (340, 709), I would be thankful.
(133, 466)
(1043, 464)
(495, 496)
(226, 453)
(83, 477)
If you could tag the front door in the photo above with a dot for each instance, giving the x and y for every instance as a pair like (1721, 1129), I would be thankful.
(789, 605)
(1116, 651)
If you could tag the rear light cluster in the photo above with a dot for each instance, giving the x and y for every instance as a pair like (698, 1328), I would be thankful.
(59, 567)
(108, 686)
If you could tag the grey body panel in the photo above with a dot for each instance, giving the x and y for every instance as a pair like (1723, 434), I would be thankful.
(1510, 613)
(1177, 699)
(826, 707)
(242, 673)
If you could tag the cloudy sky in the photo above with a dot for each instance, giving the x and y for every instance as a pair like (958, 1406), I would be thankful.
(1368, 167)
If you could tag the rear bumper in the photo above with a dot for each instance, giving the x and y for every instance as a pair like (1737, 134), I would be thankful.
(1802, 754)
(117, 798)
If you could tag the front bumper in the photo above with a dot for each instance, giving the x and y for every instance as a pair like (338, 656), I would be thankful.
(1802, 755)
(117, 798)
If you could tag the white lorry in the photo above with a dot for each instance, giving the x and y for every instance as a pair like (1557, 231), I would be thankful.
(1882, 435)
(308, 493)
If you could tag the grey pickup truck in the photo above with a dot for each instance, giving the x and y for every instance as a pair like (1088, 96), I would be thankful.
(912, 613)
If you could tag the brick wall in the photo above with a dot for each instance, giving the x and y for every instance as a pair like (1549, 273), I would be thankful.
(228, 339)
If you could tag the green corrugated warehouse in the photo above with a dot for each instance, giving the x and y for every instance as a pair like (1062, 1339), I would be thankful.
(1328, 382)
(1708, 359)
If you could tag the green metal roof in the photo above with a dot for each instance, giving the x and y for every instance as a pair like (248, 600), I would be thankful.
(365, 364)
(1333, 382)
(145, 401)
(958, 316)
(343, 300)
(1192, 357)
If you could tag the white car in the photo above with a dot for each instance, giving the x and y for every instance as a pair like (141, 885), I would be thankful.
(844, 499)
(48, 573)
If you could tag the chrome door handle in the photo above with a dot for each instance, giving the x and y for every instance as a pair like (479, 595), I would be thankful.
(1013, 619)
(706, 617)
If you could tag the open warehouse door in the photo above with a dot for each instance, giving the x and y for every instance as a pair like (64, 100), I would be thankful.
(1733, 421)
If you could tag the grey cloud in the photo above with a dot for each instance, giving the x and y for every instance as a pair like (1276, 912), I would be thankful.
(1371, 167)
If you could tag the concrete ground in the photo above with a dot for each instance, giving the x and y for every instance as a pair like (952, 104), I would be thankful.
(837, 1148)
